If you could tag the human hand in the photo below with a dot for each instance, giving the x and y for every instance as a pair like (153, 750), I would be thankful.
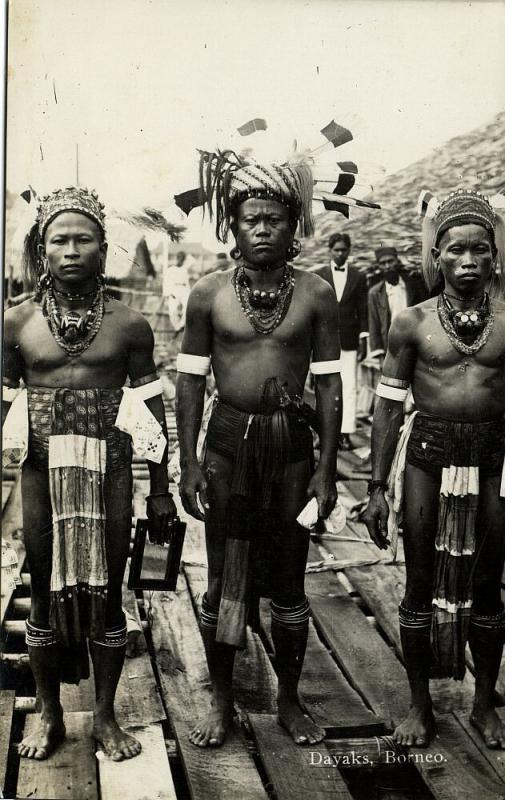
(192, 484)
(375, 518)
(322, 487)
(161, 512)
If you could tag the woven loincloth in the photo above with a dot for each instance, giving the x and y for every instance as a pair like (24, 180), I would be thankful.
(72, 436)
(459, 454)
(260, 446)
(40, 404)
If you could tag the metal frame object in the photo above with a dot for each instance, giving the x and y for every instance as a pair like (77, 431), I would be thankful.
(173, 558)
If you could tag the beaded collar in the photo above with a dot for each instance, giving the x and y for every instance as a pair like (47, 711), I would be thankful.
(264, 310)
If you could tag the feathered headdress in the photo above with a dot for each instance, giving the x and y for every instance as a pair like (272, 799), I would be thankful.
(460, 207)
(227, 179)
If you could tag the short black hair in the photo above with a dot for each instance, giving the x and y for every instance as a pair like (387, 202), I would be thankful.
(339, 237)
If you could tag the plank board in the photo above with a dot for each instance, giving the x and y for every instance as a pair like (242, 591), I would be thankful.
(329, 698)
(366, 660)
(145, 777)
(495, 757)
(327, 695)
(80, 697)
(382, 587)
(463, 773)
(70, 773)
(7, 698)
(254, 680)
(290, 768)
(138, 700)
(226, 772)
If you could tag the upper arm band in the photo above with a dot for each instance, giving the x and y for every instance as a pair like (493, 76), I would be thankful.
(325, 367)
(391, 392)
(148, 390)
(8, 394)
(193, 365)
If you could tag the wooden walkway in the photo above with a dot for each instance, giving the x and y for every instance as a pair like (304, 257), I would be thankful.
(353, 684)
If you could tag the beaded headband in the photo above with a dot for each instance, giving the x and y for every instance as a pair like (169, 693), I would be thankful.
(72, 198)
(463, 207)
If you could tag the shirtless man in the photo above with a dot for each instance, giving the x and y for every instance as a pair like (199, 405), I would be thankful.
(76, 479)
(261, 323)
(451, 350)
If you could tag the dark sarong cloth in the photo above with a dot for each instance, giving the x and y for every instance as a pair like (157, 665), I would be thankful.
(260, 446)
(459, 453)
(72, 436)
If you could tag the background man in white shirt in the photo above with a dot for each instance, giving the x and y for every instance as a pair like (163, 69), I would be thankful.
(351, 293)
(398, 290)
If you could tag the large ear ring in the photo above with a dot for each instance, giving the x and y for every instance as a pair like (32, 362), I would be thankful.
(235, 253)
(45, 281)
(294, 250)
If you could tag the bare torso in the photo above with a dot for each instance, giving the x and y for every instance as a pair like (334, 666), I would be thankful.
(243, 359)
(33, 354)
(451, 384)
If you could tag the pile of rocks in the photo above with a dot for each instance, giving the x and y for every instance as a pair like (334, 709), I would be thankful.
(474, 160)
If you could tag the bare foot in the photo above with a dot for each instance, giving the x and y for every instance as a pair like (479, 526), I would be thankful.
(213, 731)
(490, 727)
(298, 724)
(417, 730)
(117, 744)
(41, 743)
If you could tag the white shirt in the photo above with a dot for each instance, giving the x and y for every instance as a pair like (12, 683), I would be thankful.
(339, 276)
(175, 281)
(397, 297)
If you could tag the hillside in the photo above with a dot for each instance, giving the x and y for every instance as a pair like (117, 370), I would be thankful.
(474, 160)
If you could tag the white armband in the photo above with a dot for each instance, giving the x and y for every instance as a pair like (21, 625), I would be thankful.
(391, 392)
(9, 394)
(136, 419)
(325, 367)
(193, 365)
(149, 390)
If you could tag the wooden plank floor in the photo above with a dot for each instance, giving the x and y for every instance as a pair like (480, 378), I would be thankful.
(353, 684)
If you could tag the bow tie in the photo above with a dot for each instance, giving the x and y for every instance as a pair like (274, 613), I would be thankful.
(338, 269)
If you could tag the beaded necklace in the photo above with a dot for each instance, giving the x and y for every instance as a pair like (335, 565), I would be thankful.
(264, 310)
(467, 322)
(73, 332)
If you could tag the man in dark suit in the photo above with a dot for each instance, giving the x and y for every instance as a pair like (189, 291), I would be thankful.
(397, 290)
(349, 286)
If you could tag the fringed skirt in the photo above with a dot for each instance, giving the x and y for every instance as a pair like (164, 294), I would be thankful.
(460, 454)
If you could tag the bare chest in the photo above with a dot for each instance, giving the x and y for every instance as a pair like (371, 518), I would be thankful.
(42, 354)
(436, 349)
(231, 325)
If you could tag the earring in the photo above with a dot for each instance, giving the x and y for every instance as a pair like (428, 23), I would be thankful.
(45, 279)
(101, 279)
(235, 253)
(294, 250)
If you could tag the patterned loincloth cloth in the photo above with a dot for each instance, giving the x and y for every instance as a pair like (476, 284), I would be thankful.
(260, 446)
(459, 454)
(72, 436)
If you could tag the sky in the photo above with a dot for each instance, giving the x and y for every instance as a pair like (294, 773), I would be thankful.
(138, 85)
